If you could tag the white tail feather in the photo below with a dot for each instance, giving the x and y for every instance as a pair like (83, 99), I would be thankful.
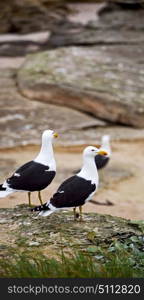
(45, 213)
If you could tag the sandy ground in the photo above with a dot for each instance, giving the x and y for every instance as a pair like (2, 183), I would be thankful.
(126, 192)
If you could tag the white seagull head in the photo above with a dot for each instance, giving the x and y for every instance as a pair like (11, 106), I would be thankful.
(89, 169)
(106, 138)
(46, 155)
(91, 151)
(49, 134)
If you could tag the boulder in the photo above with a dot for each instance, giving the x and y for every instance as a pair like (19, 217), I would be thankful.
(106, 82)
(30, 16)
(13, 45)
(66, 24)
(20, 228)
(22, 121)
(115, 22)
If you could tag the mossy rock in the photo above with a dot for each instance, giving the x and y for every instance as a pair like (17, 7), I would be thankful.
(22, 231)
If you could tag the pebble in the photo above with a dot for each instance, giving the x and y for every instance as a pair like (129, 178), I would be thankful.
(33, 243)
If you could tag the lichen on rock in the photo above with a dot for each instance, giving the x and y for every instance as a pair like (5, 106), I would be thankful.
(23, 230)
(106, 82)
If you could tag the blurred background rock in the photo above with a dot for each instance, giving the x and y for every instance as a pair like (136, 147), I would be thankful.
(76, 67)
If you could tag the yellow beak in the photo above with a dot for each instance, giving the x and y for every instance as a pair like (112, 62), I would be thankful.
(103, 152)
(55, 134)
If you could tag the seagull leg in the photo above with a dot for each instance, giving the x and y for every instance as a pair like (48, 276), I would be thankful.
(74, 211)
(29, 199)
(40, 199)
(80, 210)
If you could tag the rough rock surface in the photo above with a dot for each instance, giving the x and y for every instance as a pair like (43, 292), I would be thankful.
(106, 82)
(22, 121)
(26, 231)
(13, 45)
(107, 24)
(66, 24)
(30, 16)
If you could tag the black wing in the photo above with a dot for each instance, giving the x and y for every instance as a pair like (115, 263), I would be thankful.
(101, 161)
(72, 192)
(32, 176)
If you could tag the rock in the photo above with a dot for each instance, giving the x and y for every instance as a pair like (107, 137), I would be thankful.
(106, 82)
(30, 16)
(38, 37)
(101, 24)
(20, 45)
(3, 221)
(93, 36)
(117, 133)
(93, 23)
(128, 3)
(22, 121)
(10, 63)
(121, 17)
(35, 244)
(26, 223)
(59, 231)
(83, 13)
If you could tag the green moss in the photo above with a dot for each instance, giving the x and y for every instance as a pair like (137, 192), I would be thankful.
(103, 245)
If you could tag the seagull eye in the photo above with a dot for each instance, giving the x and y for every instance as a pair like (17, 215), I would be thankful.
(92, 150)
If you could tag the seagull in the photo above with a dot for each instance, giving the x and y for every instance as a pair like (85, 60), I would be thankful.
(77, 190)
(36, 174)
(100, 160)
